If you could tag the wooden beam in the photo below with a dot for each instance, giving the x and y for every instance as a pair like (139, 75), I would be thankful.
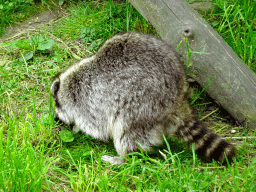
(234, 84)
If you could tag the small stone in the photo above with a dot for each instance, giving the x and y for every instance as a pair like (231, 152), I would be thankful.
(233, 131)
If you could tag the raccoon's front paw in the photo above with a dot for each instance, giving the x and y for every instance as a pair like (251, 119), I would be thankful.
(113, 160)
(75, 129)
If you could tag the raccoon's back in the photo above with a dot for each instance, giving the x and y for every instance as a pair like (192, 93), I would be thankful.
(144, 52)
(137, 73)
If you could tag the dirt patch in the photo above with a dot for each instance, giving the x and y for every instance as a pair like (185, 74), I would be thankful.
(32, 24)
(29, 26)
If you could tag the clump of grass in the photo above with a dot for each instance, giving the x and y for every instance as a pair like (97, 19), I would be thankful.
(235, 21)
(14, 11)
(93, 22)
(26, 144)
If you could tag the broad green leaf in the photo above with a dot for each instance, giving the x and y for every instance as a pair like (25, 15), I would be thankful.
(27, 55)
(21, 44)
(94, 45)
(87, 32)
(36, 39)
(45, 44)
(13, 45)
(66, 136)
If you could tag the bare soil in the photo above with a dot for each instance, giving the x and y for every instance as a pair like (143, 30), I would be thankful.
(32, 24)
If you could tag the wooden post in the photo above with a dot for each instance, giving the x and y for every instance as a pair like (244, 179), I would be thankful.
(234, 84)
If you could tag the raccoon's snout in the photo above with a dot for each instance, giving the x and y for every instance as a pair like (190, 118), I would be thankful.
(56, 119)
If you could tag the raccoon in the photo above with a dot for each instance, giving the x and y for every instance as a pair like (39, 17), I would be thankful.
(133, 90)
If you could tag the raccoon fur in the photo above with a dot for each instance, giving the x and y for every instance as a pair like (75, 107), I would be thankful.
(133, 90)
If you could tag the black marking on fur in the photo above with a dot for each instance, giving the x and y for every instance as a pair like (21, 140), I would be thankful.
(57, 103)
(202, 130)
(207, 143)
(56, 87)
(217, 153)
(75, 87)
(121, 46)
(56, 119)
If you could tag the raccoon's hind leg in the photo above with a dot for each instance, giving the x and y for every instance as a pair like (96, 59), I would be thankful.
(124, 143)
(113, 159)
(121, 146)
(116, 132)
(128, 139)
(208, 145)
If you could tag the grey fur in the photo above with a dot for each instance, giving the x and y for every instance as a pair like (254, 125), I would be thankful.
(134, 91)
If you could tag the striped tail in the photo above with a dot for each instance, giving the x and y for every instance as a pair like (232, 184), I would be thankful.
(207, 145)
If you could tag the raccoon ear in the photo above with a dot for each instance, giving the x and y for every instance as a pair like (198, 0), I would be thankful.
(55, 87)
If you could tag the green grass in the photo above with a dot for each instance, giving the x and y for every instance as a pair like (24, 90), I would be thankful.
(236, 23)
(34, 158)
(26, 144)
(13, 11)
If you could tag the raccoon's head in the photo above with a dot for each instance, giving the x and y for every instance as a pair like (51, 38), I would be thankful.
(66, 91)
(63, 105)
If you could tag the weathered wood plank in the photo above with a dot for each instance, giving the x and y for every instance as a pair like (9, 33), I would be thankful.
(234, 84)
